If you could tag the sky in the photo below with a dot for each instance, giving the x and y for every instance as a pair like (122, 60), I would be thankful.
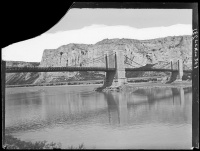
(89, 26)
(138, 18)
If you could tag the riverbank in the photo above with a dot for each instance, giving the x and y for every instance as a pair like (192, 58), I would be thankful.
(129, 86)
(88, 82)
(171, 85)
(58, 84)
(15, 90)
(145, 85)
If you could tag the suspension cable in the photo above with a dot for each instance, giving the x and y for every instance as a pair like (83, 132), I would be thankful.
(93, 59)
(165, 65)
(130, 64)
(132, 60)
(186, 66)
(97, 59)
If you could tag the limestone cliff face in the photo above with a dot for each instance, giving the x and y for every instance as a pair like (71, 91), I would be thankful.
(141, 51)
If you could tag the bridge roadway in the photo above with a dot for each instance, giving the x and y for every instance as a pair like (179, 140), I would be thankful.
(74, 69)
(56, 69)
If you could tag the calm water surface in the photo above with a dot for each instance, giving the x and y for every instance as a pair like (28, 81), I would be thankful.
(74, 115)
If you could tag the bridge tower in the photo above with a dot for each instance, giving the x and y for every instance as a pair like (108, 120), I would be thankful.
(176, 76)
(180, 70)
(120, 68)
(116, 60)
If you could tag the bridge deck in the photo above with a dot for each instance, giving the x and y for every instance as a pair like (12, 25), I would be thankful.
(74, 69)
(56, 69)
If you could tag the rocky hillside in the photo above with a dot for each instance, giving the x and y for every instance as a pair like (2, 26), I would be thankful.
(141, 51)
(21, 78)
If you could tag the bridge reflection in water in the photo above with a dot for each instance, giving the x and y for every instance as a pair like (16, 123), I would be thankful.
(118, 108)
(141, 106)
(119, 105)
(73, 115)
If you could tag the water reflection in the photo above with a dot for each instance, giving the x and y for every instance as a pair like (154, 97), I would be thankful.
(49, 110)
(148, 105)
(143, 105)
(149, 115)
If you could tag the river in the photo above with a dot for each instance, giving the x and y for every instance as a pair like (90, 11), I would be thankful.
(153, 118)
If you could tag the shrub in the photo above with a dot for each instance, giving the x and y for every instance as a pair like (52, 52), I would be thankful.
(14, 143)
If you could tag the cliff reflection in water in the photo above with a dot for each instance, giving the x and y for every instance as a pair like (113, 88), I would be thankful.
(143, 106)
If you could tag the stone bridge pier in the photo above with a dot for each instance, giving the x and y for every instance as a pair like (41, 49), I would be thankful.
(115, 78)
(180, 70)
(176, 76)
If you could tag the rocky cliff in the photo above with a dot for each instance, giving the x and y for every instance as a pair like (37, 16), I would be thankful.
(141, 51)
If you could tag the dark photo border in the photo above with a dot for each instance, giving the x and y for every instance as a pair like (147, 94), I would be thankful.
(25, 20)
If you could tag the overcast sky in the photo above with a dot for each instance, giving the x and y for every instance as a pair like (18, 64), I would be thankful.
(137, 18)
(92, 25)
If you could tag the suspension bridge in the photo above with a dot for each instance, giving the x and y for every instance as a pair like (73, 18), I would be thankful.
(115, 64)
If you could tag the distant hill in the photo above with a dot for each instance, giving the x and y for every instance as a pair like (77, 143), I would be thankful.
(21, 78)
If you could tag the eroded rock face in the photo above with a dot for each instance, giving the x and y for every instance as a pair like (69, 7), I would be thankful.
(141, 51)
(154, 51)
